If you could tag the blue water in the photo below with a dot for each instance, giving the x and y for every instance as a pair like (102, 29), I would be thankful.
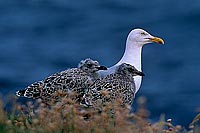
(41, 37)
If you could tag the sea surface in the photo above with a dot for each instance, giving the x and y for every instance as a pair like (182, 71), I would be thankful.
(41, 37)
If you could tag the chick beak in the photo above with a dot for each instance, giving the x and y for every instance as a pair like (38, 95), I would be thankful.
(140, 73)
(102, 68)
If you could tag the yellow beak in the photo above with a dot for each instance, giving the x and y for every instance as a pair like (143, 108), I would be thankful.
(156, 40)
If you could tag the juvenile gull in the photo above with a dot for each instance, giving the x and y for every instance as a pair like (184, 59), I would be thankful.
(136, 39)
(113, 86)
(74, 80)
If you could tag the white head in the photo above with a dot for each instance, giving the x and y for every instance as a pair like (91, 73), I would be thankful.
(142, 37)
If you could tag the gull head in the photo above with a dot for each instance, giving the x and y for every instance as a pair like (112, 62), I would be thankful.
(90, 66)
(141, 37)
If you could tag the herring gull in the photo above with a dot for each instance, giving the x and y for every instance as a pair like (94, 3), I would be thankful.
(136, 39)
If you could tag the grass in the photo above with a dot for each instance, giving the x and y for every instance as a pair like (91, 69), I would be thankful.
(68, 116)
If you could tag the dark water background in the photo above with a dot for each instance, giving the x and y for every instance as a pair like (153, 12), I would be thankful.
(41, 37)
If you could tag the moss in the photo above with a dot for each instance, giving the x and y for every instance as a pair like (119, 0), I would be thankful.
(67, 116)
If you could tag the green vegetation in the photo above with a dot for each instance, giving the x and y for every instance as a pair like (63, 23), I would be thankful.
(67, 116)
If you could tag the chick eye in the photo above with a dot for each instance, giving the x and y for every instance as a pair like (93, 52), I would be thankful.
(130, 70)
(89, 65)
(143, 33)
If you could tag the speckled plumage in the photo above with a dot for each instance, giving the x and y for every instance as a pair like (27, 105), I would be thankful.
(117, 85)
(75, 80)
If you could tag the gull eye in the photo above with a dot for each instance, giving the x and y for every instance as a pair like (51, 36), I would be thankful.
(143, 33)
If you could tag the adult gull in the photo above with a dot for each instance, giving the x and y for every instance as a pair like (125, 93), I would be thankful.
(136, 39)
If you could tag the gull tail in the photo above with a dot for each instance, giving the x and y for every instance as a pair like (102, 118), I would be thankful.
(20, 93)
(32, 91)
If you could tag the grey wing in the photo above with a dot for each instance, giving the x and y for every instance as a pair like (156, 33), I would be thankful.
(100, 92)
(36, 89)
(110, 88)
(72, 81)
(124, 89)
(128, 92)
(40, 88)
